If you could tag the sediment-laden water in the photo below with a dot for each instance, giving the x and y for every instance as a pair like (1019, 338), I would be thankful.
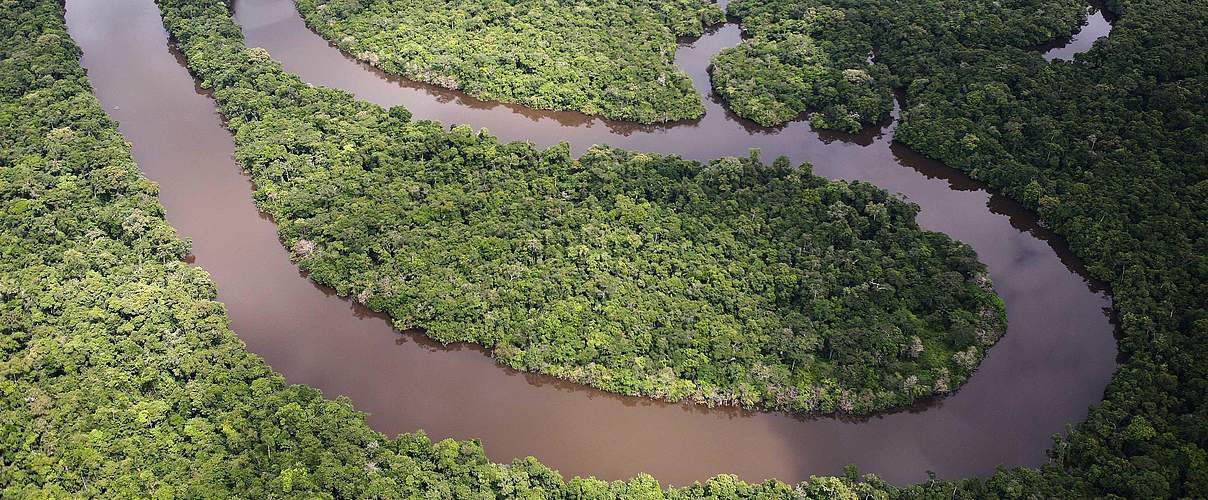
(1055, 360)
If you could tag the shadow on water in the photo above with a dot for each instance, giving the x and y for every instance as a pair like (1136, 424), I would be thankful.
(1098, 24)
(1054, 361)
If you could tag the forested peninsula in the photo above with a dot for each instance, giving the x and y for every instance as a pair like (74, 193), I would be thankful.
(818, 60)
(730, 283)
(613, 59)
(818, 56)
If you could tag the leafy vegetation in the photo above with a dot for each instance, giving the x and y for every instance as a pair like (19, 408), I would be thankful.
(818, 55)
(732, 283)
(108, 391)
(1111, 150)
(609, 58)
(819, 60)
(119, 377)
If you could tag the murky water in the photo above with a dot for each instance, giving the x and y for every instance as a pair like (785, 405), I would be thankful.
(1054, 361)
(1098, 25)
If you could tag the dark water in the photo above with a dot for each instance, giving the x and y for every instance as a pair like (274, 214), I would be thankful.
(1054, 361)
(1098, 24)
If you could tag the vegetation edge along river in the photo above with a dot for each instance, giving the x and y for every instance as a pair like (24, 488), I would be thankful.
(732, 283)
(1148, 432)
(812, 58)
(120, 375)
(610, 59)
(1133, 210)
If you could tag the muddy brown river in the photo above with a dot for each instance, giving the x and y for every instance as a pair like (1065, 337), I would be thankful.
(1054, 362)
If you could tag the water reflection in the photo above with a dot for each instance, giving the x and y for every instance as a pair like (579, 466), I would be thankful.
(1098, 24)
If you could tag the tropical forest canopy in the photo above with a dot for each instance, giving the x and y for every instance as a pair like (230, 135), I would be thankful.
(818, 55)
(1111, 149)
(120, 377)
(608, 58)
(820, 60)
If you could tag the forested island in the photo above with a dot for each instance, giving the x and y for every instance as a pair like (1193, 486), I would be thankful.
(122, 379)
(611, 58)
(818, 57)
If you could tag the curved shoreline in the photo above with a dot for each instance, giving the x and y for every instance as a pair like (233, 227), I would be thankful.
(301, 331)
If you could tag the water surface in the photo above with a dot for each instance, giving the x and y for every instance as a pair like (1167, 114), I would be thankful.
(1098, 24)
(1054, 361)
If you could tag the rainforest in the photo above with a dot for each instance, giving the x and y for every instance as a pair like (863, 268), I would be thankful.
(663, 276)
(612, 59)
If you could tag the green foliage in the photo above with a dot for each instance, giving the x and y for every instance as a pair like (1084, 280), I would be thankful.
(119, 376)
(1110, 150)
(731, 283)
(815, 62)
(613, 59)
(818, 54)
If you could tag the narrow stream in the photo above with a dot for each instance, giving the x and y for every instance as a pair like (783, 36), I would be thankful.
(1054, 361)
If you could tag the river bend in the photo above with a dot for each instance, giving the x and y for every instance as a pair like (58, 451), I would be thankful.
(1054, 362)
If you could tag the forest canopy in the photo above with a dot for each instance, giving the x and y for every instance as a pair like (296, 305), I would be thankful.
(98, 399)
(1111, 149)
(818, 56)
(608, 58)
(820, 61)
(119, 375)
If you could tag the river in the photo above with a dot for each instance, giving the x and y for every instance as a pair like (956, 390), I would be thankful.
(1055, 360)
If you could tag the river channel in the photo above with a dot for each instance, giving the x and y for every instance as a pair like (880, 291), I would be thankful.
(1055, 360)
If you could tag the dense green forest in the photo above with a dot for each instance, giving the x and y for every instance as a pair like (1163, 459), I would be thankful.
(817, 60)
(733, 283)
(818, 55)
(119, 377)
(1111, 150)
(608, 58)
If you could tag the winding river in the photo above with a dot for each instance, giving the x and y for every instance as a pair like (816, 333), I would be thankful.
(1053, 363)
